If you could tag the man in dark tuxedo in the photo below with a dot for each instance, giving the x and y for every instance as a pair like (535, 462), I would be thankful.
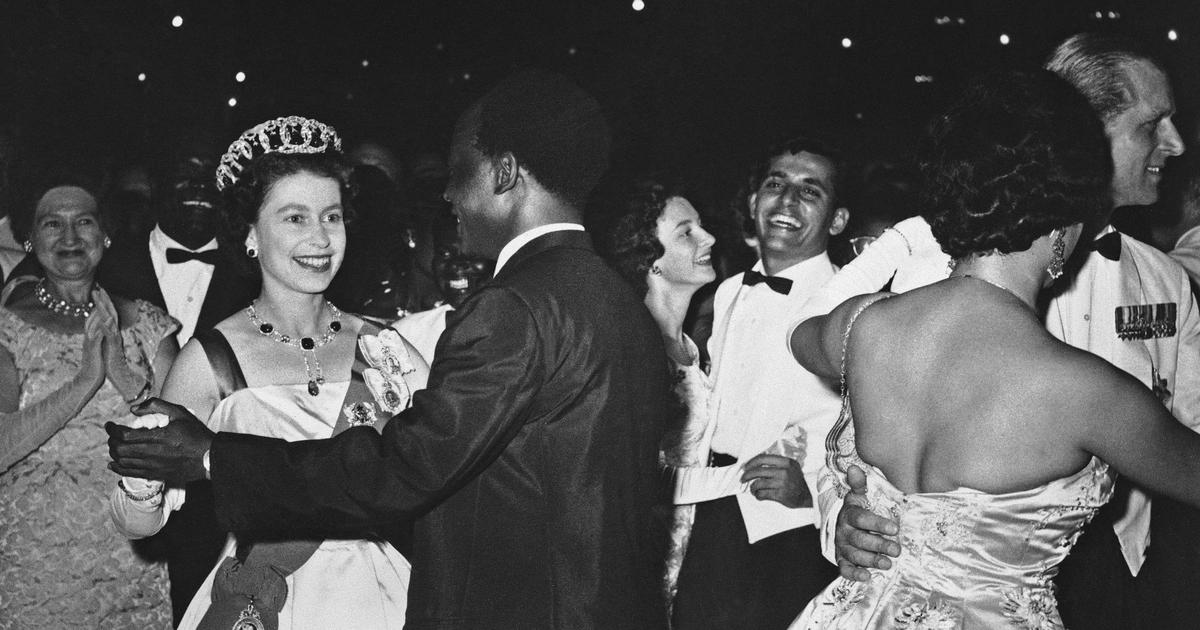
(529, 462)
(180, 268)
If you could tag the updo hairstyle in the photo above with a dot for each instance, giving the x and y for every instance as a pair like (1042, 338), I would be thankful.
(1018, 155)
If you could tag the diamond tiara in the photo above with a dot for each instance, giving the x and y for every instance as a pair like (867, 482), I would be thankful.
(288, 134)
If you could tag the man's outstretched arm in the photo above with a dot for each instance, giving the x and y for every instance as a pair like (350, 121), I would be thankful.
(482, 382)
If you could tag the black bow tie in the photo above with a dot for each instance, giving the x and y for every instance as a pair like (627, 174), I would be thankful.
(1109, 245)
(777, 284)
(176, 256)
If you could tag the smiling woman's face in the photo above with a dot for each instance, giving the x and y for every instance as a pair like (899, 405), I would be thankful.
(66, 236)
(300, 234)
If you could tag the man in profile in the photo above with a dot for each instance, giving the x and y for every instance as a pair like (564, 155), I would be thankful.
(1129, 304)
(530, 462)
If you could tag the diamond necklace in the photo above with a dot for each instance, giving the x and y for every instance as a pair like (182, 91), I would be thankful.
(60, 306)
(308, 346)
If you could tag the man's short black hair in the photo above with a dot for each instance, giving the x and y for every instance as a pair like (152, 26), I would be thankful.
(809, 143)
(554, 128)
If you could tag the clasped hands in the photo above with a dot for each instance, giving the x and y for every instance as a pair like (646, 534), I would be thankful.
(173, 453)
(105, 351)
(861, 537)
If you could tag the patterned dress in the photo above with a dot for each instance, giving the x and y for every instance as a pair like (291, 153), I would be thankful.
(62, 562)
(969, 559)
(684, 448)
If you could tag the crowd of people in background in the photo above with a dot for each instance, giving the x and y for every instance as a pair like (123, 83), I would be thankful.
(372, 388)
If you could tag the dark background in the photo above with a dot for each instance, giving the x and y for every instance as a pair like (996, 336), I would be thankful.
(691, 85)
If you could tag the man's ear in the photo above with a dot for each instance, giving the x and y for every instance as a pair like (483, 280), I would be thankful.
(506, 171)
(751, 200)
(840, 217)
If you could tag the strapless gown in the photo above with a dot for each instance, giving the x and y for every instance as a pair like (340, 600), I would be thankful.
(968, 559)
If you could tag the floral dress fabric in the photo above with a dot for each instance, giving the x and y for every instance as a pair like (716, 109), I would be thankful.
(687, 447)
(969, 559)
(62, 562)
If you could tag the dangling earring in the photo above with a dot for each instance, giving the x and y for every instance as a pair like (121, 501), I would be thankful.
(251, 252)
(107, 242)
(29, 246)
(1055, 268)
(655, 270)
(951, 264)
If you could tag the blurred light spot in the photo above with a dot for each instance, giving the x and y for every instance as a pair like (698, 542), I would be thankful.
(1004, 39)
(366, 62)
(177, 21)
(142, 75)
(239, 77)
(1172, 35)
(233, 102)
(638, 5)
(846, 43)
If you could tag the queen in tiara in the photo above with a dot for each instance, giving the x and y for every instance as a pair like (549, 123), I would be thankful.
(291, 366)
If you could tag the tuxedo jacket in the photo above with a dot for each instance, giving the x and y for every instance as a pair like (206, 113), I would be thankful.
(1150, 296)
(128, 271)
(529, 462)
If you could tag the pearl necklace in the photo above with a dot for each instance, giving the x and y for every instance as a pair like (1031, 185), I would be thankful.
(307, 345)
(60, 306)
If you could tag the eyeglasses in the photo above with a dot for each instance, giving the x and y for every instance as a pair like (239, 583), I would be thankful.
(859, 244)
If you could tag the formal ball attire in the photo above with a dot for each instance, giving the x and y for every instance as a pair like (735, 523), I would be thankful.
(529, 461)
(63, 564)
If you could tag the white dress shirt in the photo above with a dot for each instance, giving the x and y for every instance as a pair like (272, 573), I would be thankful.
(761, 395)
(11, 252)
(1084, 316)
(521, 239)
(184, 284)
(1187, 253)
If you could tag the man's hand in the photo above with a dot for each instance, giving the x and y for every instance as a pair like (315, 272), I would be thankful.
(777, 478)
(173, 454)
(859, 540)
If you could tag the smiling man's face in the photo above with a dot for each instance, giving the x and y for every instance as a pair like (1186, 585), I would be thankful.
(795, 209)
(1142, 136)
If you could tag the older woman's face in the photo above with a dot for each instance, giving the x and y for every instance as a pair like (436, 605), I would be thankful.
(687, 256)
(67, 238)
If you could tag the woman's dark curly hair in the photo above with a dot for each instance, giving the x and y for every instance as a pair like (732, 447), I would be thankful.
(1018, 155)
(244, 198)
(633, 238)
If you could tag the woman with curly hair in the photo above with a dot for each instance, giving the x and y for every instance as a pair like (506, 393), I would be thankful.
(660, 247)
(292, 366)
(988, 440)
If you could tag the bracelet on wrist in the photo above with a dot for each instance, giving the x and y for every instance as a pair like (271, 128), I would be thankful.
(148, 494)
